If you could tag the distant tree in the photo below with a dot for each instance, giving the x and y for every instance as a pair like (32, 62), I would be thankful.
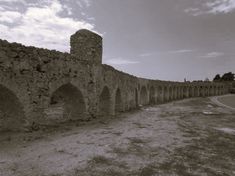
(228, 77)
(217, 77)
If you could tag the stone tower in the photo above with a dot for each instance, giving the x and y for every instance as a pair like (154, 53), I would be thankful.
(87, 45)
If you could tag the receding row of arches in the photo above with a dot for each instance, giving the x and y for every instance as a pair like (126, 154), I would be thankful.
(169, 93)
(68, 102)
(105, 102)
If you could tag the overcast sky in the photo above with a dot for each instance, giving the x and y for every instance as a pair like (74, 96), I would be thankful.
(157, 39)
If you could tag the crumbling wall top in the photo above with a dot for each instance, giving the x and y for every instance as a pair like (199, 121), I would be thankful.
(87, 45)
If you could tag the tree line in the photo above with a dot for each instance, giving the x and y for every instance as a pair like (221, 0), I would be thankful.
(226, 77)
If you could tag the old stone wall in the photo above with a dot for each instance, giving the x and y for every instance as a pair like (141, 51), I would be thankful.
(39, 86)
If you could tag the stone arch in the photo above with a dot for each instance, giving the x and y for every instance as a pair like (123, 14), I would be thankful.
(206, 91)
(136, 98)
(166, 94)
(181, 92)
(128, 100)
(215, 90)
(173, 93)
(201, 91)
(190, 91)
(221, 90)
(210, 91)
(152, 95)
(196, 91)
(12, 116)
(185, 92)
(66, 103)
(118, 101)
(159, 94)
(178, 92)
(170, 93)
(105, 102)
(143, 96)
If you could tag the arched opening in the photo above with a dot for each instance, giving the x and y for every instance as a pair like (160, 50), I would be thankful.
(206, 91)
(159, 94)
(201, 91)
(215, 90)
(170, 93)
(166, 94)
(211, 91)
(143, 96)
(104, 102)
(11, 111)
(136, 98)
(178, 92)
(185, 92)
(118, 101)
(181, 92)
(221, 90)
(152, 95)
(175, 93)
(196, 92)
(67, 103)
(190, 91)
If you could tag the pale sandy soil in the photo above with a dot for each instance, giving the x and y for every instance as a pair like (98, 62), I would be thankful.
(189, 137)
(228, 100)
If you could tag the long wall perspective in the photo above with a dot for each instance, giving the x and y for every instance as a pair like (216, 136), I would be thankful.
(40, 87)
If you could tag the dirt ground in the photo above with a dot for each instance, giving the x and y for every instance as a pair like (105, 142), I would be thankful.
(228, 100)
(188, 137)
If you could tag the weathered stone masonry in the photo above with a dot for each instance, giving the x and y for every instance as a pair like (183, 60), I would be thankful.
(39, 86)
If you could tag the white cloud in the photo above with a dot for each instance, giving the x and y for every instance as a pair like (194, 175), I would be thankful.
(212, 55)
(181, 51)
(83, 3)
(120, 61)
(3, 27)
(11, 1)
(189, 10)
(221, 6)
(41, 26)
(68, 9)
(146, 54)
(87, 2)
(10, 16)
(193, 11)
(213, 7)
